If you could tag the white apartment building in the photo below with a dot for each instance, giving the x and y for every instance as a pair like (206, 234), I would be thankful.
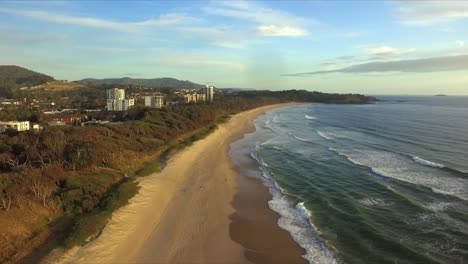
(194, 98)
(116, 100)
(16, 125)
(208, 91)
(119, 105)
(156, 101)
(115, 94)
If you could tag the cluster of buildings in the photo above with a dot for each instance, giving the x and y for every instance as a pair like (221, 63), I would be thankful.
(116, 100)
(206, 95)
(195, 97)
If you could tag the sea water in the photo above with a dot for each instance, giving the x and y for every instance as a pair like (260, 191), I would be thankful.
(377, 183)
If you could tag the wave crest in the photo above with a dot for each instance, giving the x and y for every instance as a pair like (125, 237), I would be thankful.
(295, 220)
(324, 135)
(427, 162)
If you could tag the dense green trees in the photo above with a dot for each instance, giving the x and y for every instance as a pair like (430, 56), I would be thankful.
(154, 83)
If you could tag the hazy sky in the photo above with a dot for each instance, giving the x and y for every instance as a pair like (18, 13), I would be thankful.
(372, 47)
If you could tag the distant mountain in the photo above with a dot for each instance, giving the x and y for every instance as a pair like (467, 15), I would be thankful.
(152, 83)
(13, 77)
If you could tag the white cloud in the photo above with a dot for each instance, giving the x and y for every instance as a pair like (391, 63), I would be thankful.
(195, 61)
(383, 50)
(427, 13)
(277, 31)
(222, 36)
(422, 65)
(163, 20)
(269, 22)
(386, 51)
(460, 43)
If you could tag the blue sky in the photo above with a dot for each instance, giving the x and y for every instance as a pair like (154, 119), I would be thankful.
(371, 47)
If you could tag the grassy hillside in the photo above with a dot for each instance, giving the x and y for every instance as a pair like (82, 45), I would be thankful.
(13, 77)
(153, 83)
(56, 86)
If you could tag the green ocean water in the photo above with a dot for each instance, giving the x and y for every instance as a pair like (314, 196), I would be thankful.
(383, 183)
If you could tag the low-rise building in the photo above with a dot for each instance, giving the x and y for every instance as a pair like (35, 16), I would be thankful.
(68, 120)
(188, 98)
(15, 125)
(156, 101)
(56, 123)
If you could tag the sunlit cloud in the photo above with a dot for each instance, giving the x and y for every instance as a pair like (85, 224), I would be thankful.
(386, 51)
(161, 21)
(427, 13)
(276, 31)
(435, 64)
(221, 36)
(269, 22)
(197, 62)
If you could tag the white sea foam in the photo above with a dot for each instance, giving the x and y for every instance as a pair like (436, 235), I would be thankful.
(275, 119)
(438, 206)
(371, 202)
(303, 210)
(296, 220)
(324, 135)
(310, 117)
(429, 220)
(269, 125)
(427, 163)
(302, 139)
(392, 165)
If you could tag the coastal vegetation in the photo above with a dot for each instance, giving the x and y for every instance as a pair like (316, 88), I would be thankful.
(155, 83)
(60, 185)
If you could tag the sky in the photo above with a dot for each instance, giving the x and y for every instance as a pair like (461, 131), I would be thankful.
(369, 47)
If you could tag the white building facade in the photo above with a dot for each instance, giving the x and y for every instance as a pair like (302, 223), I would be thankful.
(15, 125)
(115, 94)
(116, 100)
(156, 101)
(194, 98)
(208, 91)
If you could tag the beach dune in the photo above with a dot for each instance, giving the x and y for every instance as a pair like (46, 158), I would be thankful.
(184, 214)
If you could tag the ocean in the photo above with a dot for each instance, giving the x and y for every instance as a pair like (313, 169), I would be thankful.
(376, 183)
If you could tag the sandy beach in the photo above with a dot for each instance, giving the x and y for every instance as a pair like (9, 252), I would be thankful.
(197, 210)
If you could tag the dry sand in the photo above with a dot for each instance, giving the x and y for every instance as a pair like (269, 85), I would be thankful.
(194, 212)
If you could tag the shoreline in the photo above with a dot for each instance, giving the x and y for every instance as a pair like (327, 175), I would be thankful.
(184, 211)
(254, 224)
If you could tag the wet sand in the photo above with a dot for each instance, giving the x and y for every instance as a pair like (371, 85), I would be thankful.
(253, 225)
(197, 210)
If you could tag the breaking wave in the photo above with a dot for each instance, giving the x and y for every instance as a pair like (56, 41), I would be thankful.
(427, 163)
(392, 165)
(295, 219)
(324, 135)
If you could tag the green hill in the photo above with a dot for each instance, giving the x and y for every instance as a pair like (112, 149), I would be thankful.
(152, 83)
(13, 77)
